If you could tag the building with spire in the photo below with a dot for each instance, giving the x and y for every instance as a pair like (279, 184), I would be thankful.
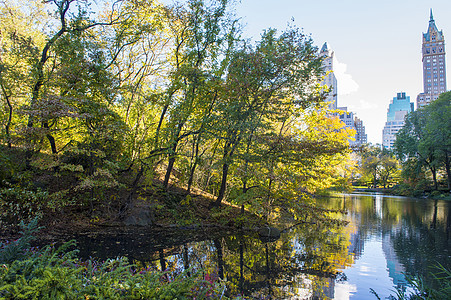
(330, 80)
(434, 67)
(399, 107)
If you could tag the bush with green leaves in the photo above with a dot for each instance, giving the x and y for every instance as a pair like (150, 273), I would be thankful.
(19, 203)
(6, 167)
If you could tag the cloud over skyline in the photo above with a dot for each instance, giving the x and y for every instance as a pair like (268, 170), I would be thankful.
(346, 84)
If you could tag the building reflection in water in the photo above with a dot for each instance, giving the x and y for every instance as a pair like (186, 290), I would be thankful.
(385, 237)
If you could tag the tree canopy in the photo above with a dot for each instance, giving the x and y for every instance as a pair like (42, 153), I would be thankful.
(170, 93)
(425, 141)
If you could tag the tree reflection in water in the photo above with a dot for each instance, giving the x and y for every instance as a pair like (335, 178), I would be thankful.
(307, 261)
(304, 260)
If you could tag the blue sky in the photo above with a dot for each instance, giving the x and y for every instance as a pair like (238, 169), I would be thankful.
(377, 44)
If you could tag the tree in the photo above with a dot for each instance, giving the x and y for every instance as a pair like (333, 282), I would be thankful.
(263, 85)
(130, 86)
(20, 36)
(424, 139)
(199, 35)
(438, 128)
(371, 162)
(389, 168)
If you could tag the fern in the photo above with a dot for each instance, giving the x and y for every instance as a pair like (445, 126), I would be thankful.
(15, 250)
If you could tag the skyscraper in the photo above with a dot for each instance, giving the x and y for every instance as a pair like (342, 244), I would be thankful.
(360, 136)
(330, 80)
(399, 107)
(434, 68)
(348, 118)
(352, 121)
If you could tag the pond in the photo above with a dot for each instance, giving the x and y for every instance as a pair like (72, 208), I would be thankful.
(386, 237)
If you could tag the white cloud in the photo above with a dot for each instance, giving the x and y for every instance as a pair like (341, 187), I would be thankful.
(363, 105)
(346, 85)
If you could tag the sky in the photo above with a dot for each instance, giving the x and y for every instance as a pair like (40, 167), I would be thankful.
(377, 45)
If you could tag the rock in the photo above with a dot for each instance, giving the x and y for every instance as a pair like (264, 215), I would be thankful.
(141, 218)
(269, 233)
(130, 220)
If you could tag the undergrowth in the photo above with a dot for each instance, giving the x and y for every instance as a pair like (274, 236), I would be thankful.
(57, 273)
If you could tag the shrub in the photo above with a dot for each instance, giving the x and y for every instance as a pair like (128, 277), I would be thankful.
(21, 204)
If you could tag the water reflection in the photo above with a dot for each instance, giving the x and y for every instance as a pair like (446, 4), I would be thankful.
(394, 235)
(385, 237)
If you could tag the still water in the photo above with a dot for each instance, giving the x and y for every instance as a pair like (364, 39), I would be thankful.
(385, 238)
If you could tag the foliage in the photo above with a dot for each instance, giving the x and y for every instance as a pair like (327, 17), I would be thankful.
(379, 165)
(6, 167)
(19, 204)
(57, 273)
(16, 250)
(125, 94)
(423, 143)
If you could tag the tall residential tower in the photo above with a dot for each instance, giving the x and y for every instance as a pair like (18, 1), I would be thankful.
(330, 80)
(434, 67)
(348, 118)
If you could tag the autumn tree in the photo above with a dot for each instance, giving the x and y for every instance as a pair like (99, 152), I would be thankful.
(389, 168)
(438, 128)
(200, 35)
(21, 35)
(370, 162)
(264, 84)
(303, 156)
(69, 21)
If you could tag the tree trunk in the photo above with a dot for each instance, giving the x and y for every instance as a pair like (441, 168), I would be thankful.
(448, 171)
(225, 170)
(50, 138)
(434, 177)
(195, 162)
(244, 184)
(218, 247)
(10, 116)
(208, 173)
(162, 260)
(241, 284)
(191, 178)
(157, 131)
(171, 160)
(268, 199)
